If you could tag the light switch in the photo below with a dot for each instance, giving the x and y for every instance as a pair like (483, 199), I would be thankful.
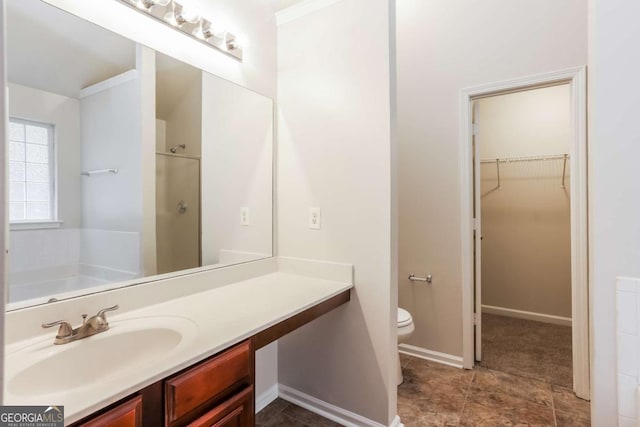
(314, 218)
(244, 216)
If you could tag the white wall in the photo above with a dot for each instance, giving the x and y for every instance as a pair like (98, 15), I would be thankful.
(184, 123)
(614, 181)
(161, 135)
(444, 46)
(237, 166)
(526, 224)
(146, 68)
(253, 20)
(266, 374)
(334, 152)
(64, 113)
(112, 201)
(530, 123)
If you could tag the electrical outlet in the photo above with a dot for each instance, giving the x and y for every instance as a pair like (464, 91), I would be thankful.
(314, 218)
(244, 216)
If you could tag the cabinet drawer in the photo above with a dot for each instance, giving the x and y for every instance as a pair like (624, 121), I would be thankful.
(128, 414)
(208, 383)
(235, 412)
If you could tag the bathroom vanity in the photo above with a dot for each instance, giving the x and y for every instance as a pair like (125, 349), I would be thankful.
(182, 361)
(218, 391)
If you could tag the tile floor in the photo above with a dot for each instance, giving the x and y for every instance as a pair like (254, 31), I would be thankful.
(527, 348)
(438, 395)
(524, 380)
(281, 413)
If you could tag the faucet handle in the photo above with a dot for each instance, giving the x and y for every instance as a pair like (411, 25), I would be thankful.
(65, 329)
(104, 310)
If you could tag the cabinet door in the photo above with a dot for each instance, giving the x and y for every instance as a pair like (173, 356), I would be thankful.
(237, 411)
(128, 414)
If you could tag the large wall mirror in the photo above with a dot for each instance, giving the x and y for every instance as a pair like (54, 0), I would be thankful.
(125, 163)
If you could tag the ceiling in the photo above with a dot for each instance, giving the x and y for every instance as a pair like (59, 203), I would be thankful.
(278, 5)
(52, 50)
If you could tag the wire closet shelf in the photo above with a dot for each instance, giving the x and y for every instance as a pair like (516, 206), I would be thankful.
(499, 160)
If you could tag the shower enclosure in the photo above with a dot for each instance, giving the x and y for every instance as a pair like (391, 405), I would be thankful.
(177, 212)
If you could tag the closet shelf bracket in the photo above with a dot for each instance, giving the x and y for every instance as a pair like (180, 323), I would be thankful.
(564, 169)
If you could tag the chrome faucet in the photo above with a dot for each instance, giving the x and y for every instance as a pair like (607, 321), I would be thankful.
(91, 326)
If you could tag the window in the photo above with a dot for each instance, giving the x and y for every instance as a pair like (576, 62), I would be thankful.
(31, 172)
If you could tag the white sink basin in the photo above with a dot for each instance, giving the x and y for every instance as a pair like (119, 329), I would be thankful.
(43, 368)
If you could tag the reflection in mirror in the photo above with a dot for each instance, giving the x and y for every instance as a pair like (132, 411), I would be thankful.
(125, 163)
(178, 151)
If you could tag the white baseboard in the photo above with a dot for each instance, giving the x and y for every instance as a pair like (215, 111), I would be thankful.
(434, 356)
(327, 410)
(527, 315)
(266, 397)
(396, 422)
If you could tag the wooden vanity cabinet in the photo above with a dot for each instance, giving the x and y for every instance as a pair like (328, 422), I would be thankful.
(127, 414)
(211, 392)
(237, 411)
(216, 392)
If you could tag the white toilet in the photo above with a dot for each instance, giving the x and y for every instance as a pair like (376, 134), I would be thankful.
(405, 330)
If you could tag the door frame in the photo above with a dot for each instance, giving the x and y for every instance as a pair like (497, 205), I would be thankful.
(577, 79)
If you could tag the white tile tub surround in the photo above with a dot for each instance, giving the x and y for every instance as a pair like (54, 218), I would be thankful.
(43, 249)
(36, 250)
(54, 261)
(628, 346)
(116, 250)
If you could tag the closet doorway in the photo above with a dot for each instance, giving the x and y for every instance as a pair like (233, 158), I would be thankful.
(526, 275)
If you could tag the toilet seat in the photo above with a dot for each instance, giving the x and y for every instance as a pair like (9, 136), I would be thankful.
(404, 318)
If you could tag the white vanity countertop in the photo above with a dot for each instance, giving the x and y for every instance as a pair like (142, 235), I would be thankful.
(216, 319)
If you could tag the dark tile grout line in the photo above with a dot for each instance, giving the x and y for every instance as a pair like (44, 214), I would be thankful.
(553, 400)
(515, 374)
(553, 408)
(466, 397)
(285, 406)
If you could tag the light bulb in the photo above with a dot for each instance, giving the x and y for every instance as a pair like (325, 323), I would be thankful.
(231, 42)
(179, 15)
(171, 18)
(189, 15)
(203, 31)
(148, 4)
(219, 33)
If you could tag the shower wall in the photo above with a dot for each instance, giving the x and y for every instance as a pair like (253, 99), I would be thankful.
(178, 213)
(526, 247)
(184, 122)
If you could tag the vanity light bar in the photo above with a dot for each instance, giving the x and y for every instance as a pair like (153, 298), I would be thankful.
(182, 18)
